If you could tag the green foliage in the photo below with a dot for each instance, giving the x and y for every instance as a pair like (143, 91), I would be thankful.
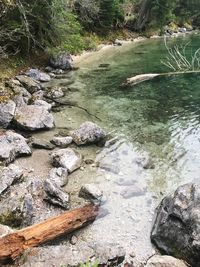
(89, 264)
(62, 24)
(111, 13)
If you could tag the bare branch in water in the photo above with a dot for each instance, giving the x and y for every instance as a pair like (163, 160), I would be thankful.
(177, 60)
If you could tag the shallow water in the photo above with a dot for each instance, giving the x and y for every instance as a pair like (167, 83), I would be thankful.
(159, 119)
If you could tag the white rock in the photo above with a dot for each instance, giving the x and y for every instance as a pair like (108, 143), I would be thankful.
(13, 145)
(66, 158)
(62, 141)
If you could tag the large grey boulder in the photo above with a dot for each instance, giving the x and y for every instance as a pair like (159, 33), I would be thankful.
(59, 176)
(33, 117)
(88, 133)
(176, 229)
(55, 195)
(62, 61)
(30, 84)
(8, 176)
(66, 158)
(38, 75)
(13, 145)
(165, 261)
(7, 111)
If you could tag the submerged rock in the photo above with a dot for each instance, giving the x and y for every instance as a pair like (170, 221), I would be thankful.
(59, 176)
(8, 176)
(165, 261)
(7, 111)
(88, 133)
(30, 84)
(13, 145)
(38, 75)
(33, 117)
(62, 141)
(67, 158)
(55, 195)
(62, 61)
(91, 192)
(145, 162)
(176, 228)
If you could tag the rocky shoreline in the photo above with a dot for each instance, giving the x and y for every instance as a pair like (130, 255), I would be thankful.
(25, 108)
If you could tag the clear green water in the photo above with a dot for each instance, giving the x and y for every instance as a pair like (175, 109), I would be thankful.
(159, 118)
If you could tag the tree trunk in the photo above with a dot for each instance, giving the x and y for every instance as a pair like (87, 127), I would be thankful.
(143, 15)
(14, 244)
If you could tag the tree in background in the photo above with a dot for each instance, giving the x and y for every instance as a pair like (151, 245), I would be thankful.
(110, 13)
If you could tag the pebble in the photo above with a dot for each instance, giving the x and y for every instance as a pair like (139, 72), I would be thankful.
(74, 240)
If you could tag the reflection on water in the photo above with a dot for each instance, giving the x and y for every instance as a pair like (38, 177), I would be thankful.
(158, 119)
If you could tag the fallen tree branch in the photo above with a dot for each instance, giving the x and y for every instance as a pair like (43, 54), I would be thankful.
(14, 244)
(149, 76)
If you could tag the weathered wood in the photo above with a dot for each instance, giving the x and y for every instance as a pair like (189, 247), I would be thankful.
(141, 78)
(149, 76)
(14, 244)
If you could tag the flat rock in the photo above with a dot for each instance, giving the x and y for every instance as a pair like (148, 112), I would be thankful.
(55, 195)
(42, 144)
(66, 158)
(33, 117)
(75, 255)
(165, 261)
(91, 192)
(62, 141)
(88, 133)
(38, 75)
(8, 176)
(13, 145)
(59, 176)
(7, 111)
(30, 84)
(176, 230)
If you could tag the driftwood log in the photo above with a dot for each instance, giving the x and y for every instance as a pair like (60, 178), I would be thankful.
(14, 244)
(149, 76)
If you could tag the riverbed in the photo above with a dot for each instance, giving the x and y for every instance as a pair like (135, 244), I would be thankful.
(157, 120)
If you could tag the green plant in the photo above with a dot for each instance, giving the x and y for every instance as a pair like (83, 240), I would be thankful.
(89, 264)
